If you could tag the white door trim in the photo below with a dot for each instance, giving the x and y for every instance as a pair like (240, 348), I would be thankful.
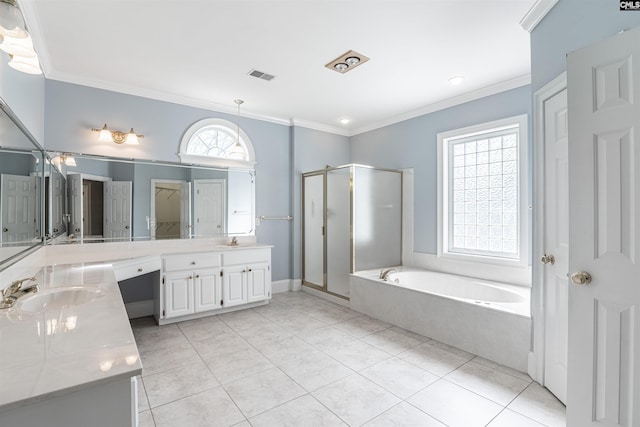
(536, 356)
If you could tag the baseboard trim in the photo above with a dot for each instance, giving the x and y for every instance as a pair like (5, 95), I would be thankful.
(139, 309)
(280, 286)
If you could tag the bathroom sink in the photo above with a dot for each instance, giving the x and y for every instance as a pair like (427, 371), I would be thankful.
(58, 298)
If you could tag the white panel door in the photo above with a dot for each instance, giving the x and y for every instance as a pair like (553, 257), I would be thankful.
(117, 210)
(56, 200)
(234, 286)
(208, 289)
(258, 282)
(185, 210)
(19, 202)
(178, 298)
(604, 233)
(208, 206)
(74, 185)
(556, 243)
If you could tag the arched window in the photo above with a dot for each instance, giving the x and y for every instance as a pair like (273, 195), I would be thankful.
(216, 142)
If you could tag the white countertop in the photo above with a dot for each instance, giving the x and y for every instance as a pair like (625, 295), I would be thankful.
(57, 351)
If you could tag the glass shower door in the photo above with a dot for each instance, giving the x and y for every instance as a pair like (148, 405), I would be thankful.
(339, 227)
(377, 218)
(313, 229)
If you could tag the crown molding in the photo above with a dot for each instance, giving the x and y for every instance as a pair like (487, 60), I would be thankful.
(450, 102)
(537, 12)
(163, 96)
(320, 126)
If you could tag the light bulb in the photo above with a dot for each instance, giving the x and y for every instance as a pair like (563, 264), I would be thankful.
(105, 134)
(25, 65)
(132, 138)
(18, 46)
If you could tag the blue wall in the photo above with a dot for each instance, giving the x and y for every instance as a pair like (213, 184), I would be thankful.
(311, 150)
(72, 110)
(412, 144)
(570, 25)
(24, 94)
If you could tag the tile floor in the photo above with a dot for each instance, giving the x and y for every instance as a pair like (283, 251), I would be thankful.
(304, 361)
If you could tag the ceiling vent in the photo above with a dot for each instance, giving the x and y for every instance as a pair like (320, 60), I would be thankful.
(347, 62)
(261, 75)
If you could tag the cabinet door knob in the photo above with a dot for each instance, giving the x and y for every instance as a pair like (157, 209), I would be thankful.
(193, 263)
(190, 277)
(140, 270)
(249, 269)
(197, 276)
(5, 229)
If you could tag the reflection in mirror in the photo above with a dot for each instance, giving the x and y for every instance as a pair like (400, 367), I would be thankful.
(123, 199)
(21, 172)
(55, 201)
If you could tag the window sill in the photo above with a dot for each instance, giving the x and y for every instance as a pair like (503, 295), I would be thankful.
(505, 271)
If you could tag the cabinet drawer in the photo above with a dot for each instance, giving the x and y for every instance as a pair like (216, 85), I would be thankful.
(135, 267)
(247, 256)
(191, 261)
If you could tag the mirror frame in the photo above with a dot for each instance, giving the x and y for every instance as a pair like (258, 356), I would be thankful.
(38, 152)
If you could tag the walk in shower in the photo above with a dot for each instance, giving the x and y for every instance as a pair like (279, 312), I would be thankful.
(351, 221)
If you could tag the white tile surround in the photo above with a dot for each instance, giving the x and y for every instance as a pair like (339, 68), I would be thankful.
(302, 360)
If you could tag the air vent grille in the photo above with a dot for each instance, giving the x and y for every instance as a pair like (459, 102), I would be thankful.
(261, 75)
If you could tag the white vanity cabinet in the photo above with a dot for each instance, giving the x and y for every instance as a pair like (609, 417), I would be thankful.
(203, 283)
(191, 283)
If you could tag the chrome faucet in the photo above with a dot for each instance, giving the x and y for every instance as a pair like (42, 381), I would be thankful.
(384, 274)
(11, 294)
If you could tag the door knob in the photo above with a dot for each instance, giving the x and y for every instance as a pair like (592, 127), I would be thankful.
(5, 229)
(581, 278)
(126, 227)
(548, 259)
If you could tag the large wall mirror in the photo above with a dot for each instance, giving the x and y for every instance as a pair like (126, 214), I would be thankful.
(111, 199)
(21, 182)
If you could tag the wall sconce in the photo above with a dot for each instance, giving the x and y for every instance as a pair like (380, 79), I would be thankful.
(108, 135)
(63, 158)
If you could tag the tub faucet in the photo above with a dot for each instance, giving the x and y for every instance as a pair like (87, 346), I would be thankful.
(384, 274)
(11, 294)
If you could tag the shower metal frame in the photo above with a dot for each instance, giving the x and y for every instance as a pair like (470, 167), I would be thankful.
(352, 258)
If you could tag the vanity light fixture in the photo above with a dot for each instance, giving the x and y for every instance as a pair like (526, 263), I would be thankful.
(109, 135)
(67, 159)
(62, 158)
(16, 41)
(347, 61)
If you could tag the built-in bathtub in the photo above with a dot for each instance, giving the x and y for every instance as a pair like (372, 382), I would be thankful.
(486, 318)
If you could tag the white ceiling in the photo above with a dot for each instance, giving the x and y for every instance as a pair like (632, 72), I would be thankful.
(198, 52)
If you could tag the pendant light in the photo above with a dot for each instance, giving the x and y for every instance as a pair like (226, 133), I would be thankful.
(237, 152)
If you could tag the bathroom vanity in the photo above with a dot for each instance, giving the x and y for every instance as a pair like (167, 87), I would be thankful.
(68, 354)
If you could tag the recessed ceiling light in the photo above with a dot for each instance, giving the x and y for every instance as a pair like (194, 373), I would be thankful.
(341, 66)
(347, 62)
(456, 80)
(352, 60)
(345, 120)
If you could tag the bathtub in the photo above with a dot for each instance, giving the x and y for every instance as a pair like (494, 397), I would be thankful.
(486, 318)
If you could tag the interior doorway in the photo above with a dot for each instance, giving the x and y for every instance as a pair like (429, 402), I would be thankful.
(170, 213)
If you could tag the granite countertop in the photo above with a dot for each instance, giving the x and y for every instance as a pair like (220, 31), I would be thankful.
(51, 351)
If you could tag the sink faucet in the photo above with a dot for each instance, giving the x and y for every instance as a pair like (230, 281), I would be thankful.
(234, 241)
(384, 274)
(11, 294)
